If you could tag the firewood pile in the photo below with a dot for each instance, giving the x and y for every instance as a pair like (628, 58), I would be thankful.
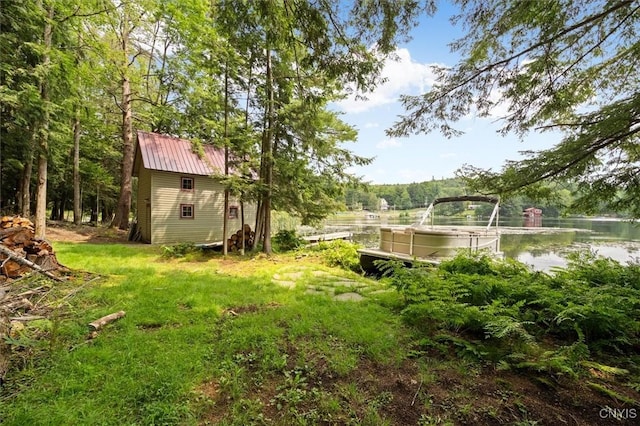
(21, 252)
(234, 243)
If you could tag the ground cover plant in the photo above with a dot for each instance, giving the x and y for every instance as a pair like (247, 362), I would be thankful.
(251, 340)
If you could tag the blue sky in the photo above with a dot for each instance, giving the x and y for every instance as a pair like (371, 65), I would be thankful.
(421, 157)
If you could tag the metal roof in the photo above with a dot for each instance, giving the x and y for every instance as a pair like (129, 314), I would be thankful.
(170, 154)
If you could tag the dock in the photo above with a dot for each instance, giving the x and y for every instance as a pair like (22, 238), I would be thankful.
(314, 239)
(369, 255)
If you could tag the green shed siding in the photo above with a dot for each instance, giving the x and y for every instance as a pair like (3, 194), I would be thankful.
(207, 199)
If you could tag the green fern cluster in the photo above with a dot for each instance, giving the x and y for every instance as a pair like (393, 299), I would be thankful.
(514, 315)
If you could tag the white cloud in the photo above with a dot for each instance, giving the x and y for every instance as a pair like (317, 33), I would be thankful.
(370, 125)
(403, 75)
(389, 143)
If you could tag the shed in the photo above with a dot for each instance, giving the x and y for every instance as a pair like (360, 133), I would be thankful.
(179, 199)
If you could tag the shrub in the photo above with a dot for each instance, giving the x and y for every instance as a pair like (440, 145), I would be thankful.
(343, 254)
(286, 240)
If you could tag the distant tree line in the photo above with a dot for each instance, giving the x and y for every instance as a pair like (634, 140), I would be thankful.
(560, 199)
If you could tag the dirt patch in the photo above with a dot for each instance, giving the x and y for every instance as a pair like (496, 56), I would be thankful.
(249, 309)
(405, 393)
(68, 232)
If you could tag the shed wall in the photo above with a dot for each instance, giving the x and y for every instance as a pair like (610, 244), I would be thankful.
(207, 199)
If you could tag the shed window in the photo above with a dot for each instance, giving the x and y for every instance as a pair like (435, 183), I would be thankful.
(233, 212)
(186, 211)
(186, 184)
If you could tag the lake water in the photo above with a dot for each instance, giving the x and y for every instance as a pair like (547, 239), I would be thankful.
(542, 244)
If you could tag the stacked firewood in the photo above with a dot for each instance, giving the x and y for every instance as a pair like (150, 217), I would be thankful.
(21, 252)
(234, 243)
(22, 300)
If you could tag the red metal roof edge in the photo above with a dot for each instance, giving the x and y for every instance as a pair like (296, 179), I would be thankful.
(172, 154)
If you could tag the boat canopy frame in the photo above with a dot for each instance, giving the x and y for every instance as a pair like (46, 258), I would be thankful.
(495, 214)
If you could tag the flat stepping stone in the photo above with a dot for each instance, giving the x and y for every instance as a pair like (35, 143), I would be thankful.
(284, 283)
(289, 276)
(348, 297)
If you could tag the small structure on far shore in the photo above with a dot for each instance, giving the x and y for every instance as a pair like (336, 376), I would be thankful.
(532, 212)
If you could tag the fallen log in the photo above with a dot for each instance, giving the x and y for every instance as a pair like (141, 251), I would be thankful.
(26, 318)
(99, 323)
(11, 255)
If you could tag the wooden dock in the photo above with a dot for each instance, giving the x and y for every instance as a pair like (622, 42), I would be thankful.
(368, 256)
(314, 239)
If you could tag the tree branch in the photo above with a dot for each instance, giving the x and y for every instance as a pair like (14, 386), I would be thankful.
(531, 48)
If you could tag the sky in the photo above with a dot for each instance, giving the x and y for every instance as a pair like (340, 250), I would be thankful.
(424, 157)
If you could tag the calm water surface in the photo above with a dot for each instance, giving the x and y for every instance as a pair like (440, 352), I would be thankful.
(619, 240)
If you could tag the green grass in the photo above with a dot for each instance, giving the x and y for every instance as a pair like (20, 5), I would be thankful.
(178, 333)
(208, 340)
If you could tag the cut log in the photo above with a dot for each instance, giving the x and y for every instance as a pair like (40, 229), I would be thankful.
(99, 323)
(12, 269)
(19, 238)
(11, 255)
(4, 233)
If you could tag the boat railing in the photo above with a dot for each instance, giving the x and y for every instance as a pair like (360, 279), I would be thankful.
(425, 215)
(494, 215)
(429, 212)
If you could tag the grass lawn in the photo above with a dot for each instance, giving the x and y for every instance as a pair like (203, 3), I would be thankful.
(255, 340)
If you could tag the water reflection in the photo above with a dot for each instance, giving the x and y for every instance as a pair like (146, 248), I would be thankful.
(619, 240)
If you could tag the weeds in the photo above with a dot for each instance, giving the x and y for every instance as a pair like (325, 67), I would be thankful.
(178, 250)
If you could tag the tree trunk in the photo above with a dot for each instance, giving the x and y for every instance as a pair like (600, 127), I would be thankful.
(123, 208)
(259, 222)
(106, 213)
(25, 192)
(54, 209)
(43, 151)
(225, 219)
(93, 218)
(268, 156)
(77, 201)
(244, 240)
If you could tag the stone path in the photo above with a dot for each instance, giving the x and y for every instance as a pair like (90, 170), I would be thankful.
(323, 283)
